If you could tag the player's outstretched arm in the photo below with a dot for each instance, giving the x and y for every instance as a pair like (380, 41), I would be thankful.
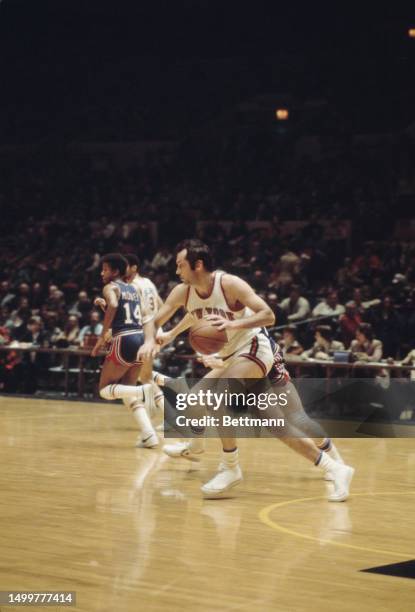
(111, 300)
(149, 349)
(164, 338)
(175, 299)
(238, 293)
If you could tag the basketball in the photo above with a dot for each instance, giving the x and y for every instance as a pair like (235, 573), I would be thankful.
(206, 339)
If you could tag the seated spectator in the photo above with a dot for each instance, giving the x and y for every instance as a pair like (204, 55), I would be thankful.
(161, 259)
(289, 343)
(34, 333)
(324, 346)
(280, 316)
(289, 261)
(349, 323)
(5, 318)
(296, 307)
(93, 329)
(71, 332)
(366, 347)
(82, 307)
(56, 299)
(38, 297)
(409, 360)
(19, 319)
(388, 325)
(7, 295)
(4, 335)
(345, 275)
(330, 306)
(52, 330)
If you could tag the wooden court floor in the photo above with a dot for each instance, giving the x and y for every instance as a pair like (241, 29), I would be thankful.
(82, 509)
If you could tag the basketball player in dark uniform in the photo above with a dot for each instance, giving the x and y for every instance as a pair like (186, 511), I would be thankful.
(132, 332)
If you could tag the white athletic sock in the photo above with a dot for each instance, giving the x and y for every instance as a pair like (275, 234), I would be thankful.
(230, 459)
(160, 379)
(143, 420)
(325, 462)
(334, 454)
(117, 391)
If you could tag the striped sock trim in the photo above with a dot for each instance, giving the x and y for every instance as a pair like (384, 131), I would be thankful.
(112, 391)
(325, 445)
(319, 458)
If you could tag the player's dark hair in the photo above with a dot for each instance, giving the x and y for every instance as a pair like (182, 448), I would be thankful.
(196, 250)
(132, 259)
(325, 331)
(116, 261)
(366, 329)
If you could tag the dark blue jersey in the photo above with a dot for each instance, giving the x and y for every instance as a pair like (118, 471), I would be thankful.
(128, 315)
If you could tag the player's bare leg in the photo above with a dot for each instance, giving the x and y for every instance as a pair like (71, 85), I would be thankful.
(294, 438)
(145, 376)
(230, 473)
(141, 411)
(297, 416)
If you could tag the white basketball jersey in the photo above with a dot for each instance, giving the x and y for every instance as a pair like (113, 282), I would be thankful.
(215, 303)
(149, 293)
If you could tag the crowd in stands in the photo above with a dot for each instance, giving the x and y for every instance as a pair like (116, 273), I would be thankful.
(364, 303)
(354, 292)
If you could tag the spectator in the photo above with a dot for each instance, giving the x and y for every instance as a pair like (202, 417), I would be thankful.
(388, 325)
(330, 306)
(345, 276)
(4, 335)
(82, 307)
(289, 343)
(71, 332)
(94, 328)
(5, 318)
(290, 262)
(34, 333)
(161, 259)
(349, 323)
(409, 360)
(7, 296)
(280, 316)
(324, 346)
(366, 347)
(52, 330)
(38, 297)
(296, 307)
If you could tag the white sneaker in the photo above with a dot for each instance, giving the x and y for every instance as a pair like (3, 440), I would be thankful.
(150, 441)
(223, 482)
(343, 475)
(329, 476)
(182, 449)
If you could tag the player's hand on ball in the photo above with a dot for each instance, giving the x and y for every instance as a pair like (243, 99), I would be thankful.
(220, 322)
(211, 361)
(148, 351)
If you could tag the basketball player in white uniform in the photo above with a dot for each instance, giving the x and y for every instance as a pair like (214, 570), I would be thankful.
(230, 304)
(312, 449)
